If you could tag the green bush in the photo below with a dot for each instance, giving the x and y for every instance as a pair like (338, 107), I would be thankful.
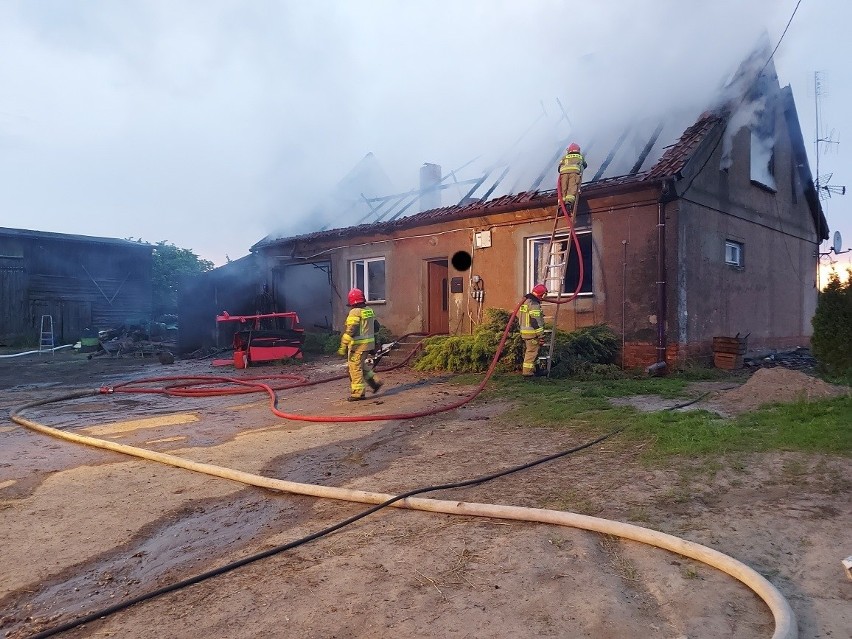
(589, 352)
(321, 343)
(584, 351)
(831, 342)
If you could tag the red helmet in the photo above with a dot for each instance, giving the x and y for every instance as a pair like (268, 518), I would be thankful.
(573, 148)
(356, 296)
(539, 290)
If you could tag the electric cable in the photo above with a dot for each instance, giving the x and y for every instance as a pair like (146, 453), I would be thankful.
(743, 97)
(785, 626)
(105, 612)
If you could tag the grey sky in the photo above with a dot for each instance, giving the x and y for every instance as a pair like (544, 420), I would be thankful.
(212, 123)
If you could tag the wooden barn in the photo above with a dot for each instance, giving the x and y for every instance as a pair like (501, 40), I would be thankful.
(80, 281)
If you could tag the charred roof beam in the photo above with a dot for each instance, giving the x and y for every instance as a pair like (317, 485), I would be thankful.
(608, 160)
(645, 151)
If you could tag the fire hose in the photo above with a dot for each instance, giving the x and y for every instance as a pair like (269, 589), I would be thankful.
(785, 625)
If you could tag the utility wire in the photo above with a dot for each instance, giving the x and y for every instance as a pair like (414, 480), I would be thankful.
(743, 97)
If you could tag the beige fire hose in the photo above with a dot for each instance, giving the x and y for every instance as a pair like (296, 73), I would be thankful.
(785, 621)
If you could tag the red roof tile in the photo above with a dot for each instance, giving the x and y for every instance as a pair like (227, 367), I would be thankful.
(677, 155)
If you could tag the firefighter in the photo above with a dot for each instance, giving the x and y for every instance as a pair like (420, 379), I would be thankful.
(571, 174)
(531, 320)
(358, 342)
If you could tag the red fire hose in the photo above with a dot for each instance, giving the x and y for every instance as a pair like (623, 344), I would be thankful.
(216, 386)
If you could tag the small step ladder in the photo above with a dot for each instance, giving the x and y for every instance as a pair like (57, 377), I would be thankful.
(552, 269)
(45, 342)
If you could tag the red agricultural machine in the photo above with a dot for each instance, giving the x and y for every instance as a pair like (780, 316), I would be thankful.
(265, 338)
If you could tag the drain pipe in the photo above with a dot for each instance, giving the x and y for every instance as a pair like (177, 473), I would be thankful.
(667, 195)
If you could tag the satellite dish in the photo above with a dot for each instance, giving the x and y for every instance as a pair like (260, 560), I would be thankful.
(837, 245)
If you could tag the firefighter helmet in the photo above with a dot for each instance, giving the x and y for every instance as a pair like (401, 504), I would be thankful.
(539, 290)
(356, 296)
(573, 148)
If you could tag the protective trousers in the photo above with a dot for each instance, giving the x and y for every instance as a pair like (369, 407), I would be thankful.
(569, 183)
(531, 346)
(360, 372)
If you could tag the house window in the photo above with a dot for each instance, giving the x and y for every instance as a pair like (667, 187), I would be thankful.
(369, 276)
(537, 252)
(734, 253)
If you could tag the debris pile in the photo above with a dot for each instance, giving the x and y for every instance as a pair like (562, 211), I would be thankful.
(140, 338)
(775, 385)
(799, 359)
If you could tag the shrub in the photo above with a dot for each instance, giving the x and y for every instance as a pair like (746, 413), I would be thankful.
(831, 342)
(576, 352)
(589, 352)
(321, 343)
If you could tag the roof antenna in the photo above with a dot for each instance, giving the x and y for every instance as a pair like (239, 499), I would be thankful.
(824, 189)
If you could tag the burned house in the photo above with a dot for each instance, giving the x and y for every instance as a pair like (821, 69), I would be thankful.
(688, 229)
(79, 281)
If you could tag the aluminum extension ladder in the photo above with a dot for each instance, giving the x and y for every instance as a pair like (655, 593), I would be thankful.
(45, 341)
(552, 269)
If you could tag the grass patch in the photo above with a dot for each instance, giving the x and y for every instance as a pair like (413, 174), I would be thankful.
(819, 426)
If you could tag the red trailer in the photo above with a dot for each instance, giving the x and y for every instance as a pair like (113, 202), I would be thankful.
(261, 338)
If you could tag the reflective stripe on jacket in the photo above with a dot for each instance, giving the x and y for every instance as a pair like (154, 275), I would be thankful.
(361, 326)
(572, 163)
(531, 318)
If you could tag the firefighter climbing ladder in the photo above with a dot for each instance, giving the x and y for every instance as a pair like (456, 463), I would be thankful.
(45, 341)
(554, 264)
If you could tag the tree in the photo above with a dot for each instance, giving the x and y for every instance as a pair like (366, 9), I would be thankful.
(832, 339)
(170, 265)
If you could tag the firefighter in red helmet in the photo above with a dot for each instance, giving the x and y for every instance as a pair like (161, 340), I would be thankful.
(571, 175)
(531, 319)
(358, 342)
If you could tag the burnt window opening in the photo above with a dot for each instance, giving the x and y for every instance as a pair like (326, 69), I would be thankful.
(763, 162)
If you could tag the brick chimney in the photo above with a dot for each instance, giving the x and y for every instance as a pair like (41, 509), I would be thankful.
(430, 192)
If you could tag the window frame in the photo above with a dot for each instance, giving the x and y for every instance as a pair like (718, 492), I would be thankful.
(365, 287)
(532, 276)
(739, 262)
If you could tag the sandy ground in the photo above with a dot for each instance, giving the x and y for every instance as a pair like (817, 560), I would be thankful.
(84, 528)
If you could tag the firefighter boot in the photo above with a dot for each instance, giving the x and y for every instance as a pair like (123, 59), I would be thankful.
(374, 384)
(354, 398)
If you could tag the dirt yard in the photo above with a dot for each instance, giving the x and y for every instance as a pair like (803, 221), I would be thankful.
(84, 528)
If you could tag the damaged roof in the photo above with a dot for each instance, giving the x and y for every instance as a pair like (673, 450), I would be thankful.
(648, 151)
(606, 171)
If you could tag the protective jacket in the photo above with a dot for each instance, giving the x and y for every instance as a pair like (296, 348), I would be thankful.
(572, 163)
(360, 329)
(531, 318)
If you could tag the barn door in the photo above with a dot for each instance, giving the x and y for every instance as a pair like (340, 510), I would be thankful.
(439, 312)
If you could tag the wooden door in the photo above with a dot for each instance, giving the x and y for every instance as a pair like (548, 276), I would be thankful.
(439, 311)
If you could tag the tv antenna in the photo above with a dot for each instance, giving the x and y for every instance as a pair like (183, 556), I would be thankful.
(824, 189)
